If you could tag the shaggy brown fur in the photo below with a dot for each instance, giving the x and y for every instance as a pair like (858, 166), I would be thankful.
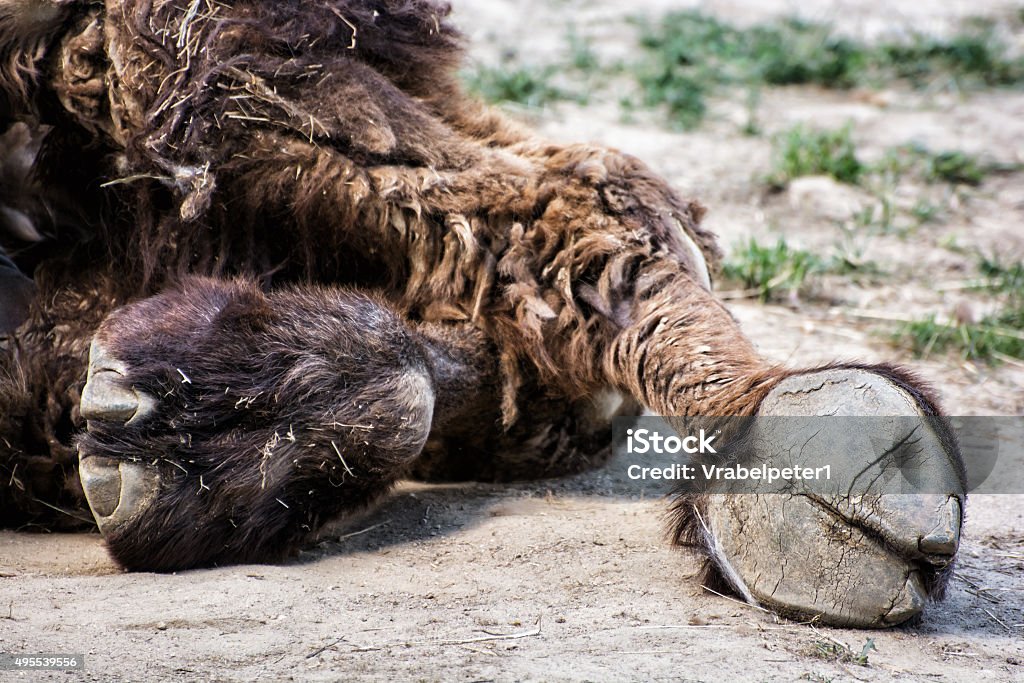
(332, 143)
(294, 143)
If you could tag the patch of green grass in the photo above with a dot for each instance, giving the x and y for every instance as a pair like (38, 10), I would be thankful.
(688, 56)
(899, 161)
(947, 166)
(777, 271)
(752, 127)
(802, 151)
(999, 334)
(771, 270)
(582, 56)
(835, 652)
(1012, 318)
(1003, 278)
(955, 168)
(529, 86)
(922, 165)
(683, 95)
(817, 678)
(976, 53)
(1008, 281)
(680, 66)
(984, 340)
(925, 211)
(795, 52)
(879, 218)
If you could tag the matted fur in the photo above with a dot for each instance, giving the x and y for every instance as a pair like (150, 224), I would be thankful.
(331, 141)
(326, 142)
(294, 143)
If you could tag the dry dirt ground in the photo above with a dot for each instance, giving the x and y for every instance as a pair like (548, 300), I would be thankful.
(560, 580)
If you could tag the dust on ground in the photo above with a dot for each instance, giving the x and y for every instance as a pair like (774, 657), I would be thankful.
(558, 580)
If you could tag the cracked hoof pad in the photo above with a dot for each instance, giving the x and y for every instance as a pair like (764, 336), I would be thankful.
(864, 560)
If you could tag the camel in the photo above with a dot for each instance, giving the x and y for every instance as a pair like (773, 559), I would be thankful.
(265, 259)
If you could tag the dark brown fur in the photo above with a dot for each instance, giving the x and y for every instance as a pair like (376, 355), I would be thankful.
(289, 420)
(293, 143)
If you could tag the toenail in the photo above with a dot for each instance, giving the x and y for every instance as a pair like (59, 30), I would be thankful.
(945, 537)
(101, 481)
(104, 398)
(909, 603)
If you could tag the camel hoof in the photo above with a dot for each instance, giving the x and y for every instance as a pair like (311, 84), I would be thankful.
(116, 490)
(869, 559)
(107, 396)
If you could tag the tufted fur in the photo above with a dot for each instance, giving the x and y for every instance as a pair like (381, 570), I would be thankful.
(294, 148)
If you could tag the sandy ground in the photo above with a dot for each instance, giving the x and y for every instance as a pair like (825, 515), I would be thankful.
(558, 580)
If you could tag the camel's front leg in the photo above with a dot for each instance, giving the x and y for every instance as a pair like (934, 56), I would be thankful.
(856, 561)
